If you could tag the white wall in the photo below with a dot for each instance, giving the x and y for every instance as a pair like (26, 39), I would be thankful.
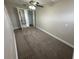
(12, 11)
(58, 19)
(10, 51)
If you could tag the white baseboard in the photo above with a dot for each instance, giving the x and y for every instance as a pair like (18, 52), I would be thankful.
(56, 37)
(16, 28)
(15, 47)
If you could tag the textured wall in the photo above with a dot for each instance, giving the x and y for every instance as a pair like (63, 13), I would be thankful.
(12, 11)
(58, 19)
(10, 51)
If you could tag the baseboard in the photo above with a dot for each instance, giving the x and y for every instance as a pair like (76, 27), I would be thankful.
(15, 47)
(56, 37)
(16, 28)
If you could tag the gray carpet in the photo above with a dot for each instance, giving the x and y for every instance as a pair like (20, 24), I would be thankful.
(32, 43)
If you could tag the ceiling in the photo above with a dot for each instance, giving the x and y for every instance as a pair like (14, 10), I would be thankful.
(42, 2)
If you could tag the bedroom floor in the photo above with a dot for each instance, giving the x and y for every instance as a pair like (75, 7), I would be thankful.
(32, 43)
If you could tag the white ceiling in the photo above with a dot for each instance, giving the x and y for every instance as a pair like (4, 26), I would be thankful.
(40, 1)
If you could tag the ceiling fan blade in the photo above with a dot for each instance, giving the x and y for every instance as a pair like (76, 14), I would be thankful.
(31, 1)
(39, 5)
(37, 2)
(34, 3)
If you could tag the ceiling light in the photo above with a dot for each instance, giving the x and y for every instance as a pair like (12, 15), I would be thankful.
(32, 7)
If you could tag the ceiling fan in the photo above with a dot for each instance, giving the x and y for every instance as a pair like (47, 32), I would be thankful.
(32, 4)
(35, 3)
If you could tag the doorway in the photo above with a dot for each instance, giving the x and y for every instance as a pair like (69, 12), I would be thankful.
(30, 15)
(26, 17)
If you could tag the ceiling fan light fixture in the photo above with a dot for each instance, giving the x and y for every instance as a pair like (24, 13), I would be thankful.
(32, 7)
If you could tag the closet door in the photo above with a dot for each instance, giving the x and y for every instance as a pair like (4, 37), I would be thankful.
(26, 17)
(22, 19)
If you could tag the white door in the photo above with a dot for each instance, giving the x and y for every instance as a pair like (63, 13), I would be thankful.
(26, 17)
(22, 18)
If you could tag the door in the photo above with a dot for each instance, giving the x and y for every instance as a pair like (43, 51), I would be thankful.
(22, 18)
(26, 17)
